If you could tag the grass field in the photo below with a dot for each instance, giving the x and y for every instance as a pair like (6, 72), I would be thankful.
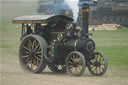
(114, 44)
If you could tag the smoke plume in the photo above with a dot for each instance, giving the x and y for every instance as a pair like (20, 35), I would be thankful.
(73, 4)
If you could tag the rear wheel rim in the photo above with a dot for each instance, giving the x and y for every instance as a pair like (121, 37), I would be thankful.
(31, 54)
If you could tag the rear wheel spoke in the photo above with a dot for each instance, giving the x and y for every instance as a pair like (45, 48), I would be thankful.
(26, 56)
(37, 58)
(34, 43)
(37, 46)
(29, 62)
(39, 52)
(28, 49)
(30, 43)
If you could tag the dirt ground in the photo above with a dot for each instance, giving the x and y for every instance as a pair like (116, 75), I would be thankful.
(12, 74)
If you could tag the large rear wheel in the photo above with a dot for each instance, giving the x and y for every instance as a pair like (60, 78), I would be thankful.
(31, 53)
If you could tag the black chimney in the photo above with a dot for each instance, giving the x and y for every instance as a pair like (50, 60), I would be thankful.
(85, 14)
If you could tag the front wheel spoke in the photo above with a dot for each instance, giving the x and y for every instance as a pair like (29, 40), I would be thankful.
(96, 60)
(92, 66)
(80, 63)
(101, 67)
(79, 60)
(100, 70)
(76, 70)
(80, 67)
(103, 60)
(100, 59)
(96, 57)
(70, 66)
(73, 70)
(92, 61)
(102, 64)
(96, 70)
(74, 56)
(70, 62)
(72, 59)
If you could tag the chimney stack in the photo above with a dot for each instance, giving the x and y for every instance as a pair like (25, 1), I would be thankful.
(85, 14)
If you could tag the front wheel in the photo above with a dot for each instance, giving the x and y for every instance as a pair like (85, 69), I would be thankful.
(75, 63)
(98, 64)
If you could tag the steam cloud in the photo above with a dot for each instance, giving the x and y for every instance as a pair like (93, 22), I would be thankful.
(73, 4)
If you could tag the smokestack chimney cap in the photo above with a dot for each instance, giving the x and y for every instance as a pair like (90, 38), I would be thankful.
(85, 5)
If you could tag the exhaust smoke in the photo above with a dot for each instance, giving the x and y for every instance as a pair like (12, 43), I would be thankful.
(73, 4)
(59, 7)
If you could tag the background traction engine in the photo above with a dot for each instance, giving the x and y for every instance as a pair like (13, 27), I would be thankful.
(54, 40)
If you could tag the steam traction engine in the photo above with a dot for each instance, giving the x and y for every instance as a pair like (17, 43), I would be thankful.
(55, 41)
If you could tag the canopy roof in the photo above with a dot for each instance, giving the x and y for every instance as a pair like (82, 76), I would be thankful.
(43, 19)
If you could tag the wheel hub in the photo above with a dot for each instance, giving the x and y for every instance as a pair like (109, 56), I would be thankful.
(75, 64)
(32, 53)
(97, 64)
